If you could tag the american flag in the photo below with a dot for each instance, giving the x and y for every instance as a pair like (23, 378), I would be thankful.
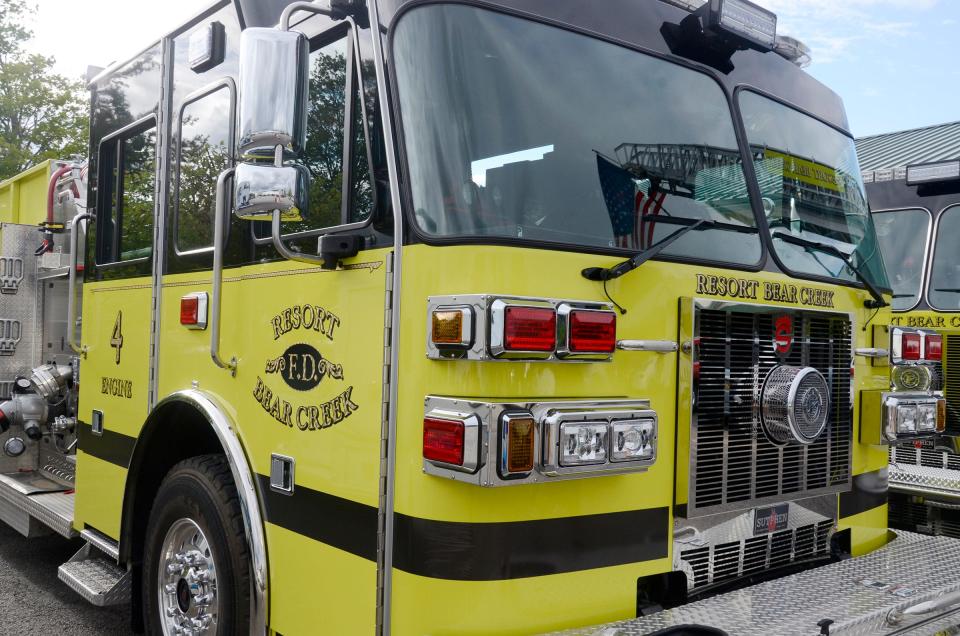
(619, 191)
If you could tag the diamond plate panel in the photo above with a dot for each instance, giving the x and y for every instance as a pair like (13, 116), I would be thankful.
(20, 311)
(96, 579)
(925, 480)
(857, 594)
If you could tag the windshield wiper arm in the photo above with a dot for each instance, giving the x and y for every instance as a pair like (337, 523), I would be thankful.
(878, 301)
(949, 290)
(609, 273)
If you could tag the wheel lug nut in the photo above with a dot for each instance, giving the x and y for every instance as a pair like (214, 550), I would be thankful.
(174, 568)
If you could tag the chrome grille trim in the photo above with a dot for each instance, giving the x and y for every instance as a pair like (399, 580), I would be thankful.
(733, 466)
(715, 564)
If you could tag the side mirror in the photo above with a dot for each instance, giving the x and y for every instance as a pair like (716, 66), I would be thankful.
(260, 189)
(274, 81)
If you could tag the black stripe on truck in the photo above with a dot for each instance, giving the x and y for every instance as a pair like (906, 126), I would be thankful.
(111, 446)
(474, 551)
(869, 492)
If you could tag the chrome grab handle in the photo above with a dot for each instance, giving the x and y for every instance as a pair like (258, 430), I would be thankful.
(659, 346)
(218, 249)
(939, 604)
(72, 283)
(872, 353)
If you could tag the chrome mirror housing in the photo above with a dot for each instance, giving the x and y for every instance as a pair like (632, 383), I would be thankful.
(261, 189)
(274, 78)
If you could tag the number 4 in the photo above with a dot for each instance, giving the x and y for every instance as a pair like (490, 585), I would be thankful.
(116, 341)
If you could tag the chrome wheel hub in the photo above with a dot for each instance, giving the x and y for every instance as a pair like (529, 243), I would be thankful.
(187, 584)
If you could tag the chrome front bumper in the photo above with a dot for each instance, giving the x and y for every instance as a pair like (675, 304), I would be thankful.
(863, 595)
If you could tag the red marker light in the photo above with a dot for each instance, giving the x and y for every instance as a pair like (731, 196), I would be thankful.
(911, 346)
(593, 331)
(189, 310)
(933, 348)
(529, 329)
(443, 441)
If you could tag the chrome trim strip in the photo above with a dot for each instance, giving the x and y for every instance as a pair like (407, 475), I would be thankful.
(242, 473)
(388, 471)
(872, 352)
(101, 542)
(657, 346)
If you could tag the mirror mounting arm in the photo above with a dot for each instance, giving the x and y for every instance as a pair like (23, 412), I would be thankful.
(308, 7)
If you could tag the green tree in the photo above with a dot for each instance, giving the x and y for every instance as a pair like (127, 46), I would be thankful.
(43, 115)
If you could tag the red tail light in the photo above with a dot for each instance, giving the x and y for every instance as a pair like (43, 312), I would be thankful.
(933, 348)
(529, 329)
(593, 331)
(911, 346)
(443, 441)
(189, 310)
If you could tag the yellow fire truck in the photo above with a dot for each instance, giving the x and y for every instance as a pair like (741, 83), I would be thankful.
(913, 182)
(465, 318)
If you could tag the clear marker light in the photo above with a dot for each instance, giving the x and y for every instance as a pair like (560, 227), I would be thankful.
(583, 443)
(633, 440)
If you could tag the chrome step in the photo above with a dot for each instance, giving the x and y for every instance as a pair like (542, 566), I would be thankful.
(96, 577)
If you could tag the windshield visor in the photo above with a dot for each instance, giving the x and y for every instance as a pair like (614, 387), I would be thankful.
(944, 291)
(903, 238)
(811, 187)
(518, 130)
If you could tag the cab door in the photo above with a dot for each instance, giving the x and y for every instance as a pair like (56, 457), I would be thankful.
(116, 321)
(307, 395)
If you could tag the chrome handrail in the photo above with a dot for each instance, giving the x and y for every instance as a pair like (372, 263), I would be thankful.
(72, 283)
(218, 249)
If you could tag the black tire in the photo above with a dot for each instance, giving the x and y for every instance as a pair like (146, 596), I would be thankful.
(201, 489)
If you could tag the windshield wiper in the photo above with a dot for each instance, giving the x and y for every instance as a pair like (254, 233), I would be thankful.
(609, 273)
(949, 290)
(877, 302)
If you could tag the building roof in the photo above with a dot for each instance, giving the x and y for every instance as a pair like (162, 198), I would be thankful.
(908, 147)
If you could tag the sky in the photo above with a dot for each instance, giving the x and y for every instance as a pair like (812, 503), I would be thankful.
(892, 61)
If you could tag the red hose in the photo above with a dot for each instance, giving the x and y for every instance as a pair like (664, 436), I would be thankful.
(50, 189)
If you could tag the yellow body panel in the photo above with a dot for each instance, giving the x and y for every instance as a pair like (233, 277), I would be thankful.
(115, 372)
(315, 587)
(868, 529)
(23, 197)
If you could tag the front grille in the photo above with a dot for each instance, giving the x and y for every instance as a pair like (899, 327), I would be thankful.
(724, 562)
(733, 464)
(924, 454)
(951, 382)
(937, 518)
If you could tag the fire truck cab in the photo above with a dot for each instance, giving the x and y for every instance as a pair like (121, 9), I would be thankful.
(913, 182)
(468, 317)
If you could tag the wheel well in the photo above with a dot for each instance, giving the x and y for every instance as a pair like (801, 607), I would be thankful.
(174, 432)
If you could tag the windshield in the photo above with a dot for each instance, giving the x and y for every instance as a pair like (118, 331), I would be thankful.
(518, 130)
(811, 187)
(945, 272)
(900, 232)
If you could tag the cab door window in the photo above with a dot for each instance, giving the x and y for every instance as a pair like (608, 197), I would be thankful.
(204, 146)
(127, 186)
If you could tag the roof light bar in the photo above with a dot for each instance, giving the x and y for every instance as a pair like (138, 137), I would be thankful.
(744, 20)
(933, 172)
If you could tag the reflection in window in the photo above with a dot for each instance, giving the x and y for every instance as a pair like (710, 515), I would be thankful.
(323, 156)
(205, 142)
(902, 234)
(126, 185)
(520, 130)
(811, 187)
(945, 273)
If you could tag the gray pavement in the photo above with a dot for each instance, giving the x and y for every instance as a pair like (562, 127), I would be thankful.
(34, 601)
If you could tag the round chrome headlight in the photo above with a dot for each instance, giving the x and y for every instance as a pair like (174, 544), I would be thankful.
(795, 405)
(912, 378)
